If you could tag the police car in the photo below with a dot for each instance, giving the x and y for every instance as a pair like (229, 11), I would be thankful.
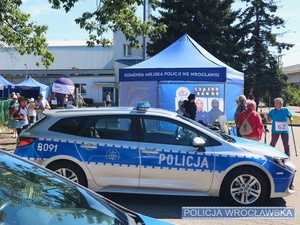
(154, 151)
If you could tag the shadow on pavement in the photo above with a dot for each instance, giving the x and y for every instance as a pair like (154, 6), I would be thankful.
(169, 207)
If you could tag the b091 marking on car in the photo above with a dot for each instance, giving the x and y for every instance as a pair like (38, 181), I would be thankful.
(47, 147)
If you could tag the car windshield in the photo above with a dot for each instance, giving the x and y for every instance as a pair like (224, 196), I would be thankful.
(224, 136)
(31, 195)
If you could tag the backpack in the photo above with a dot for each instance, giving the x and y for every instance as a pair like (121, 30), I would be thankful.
(245, 127)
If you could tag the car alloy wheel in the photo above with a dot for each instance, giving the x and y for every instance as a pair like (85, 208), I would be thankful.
(69, 170)
(245, 186)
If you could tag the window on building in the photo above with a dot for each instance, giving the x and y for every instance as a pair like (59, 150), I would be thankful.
(81, 88)
(126, 50)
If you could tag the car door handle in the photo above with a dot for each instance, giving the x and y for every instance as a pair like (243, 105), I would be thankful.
(88, 146)
(150, 151)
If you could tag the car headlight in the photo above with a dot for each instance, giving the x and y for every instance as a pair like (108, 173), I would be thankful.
(279, 161)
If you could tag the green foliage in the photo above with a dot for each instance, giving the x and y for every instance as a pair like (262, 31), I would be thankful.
(114, 15)
(16, 30)
(294, 95)
(209, 23)
(262, 75)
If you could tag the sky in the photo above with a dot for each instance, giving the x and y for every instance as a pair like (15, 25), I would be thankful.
(61, 26)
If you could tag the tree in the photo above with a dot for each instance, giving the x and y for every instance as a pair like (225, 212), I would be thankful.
(114, 15)
(262, 74)
(207, 22)
(16, 30)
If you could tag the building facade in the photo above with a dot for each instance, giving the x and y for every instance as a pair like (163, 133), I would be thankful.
(94, 70)
(293, 73)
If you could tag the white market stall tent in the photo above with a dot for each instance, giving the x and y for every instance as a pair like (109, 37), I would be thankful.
(184, 67)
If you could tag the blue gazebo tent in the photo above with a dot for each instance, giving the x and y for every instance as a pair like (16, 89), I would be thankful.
(6, 88)
(182, 68)
(31, 88)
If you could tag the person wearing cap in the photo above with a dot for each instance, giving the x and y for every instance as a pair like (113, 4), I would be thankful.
(188, 108)
(21, 109)
(12, 107)
(215, 112)
(41, 105)
(241, 102)
(254, 120)
(280, 116)
(31, 111)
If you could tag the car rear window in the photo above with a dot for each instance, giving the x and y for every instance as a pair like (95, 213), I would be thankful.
(69, 125)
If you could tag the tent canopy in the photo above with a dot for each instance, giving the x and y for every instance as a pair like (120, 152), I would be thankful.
(6, 88)
(32, 88)
(184, 60)
(5, 82)
(182, 68)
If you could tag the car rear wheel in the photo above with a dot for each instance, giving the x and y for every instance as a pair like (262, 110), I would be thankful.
(245, 186)
(70, 171)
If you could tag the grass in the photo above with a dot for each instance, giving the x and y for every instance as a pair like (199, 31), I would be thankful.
(296, 119)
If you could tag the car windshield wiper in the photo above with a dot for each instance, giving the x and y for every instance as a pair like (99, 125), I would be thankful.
(227, 137)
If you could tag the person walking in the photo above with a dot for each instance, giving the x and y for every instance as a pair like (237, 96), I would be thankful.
(241, 102)
(188, 108)
(254, 120)
(108, 99)
(280, 116)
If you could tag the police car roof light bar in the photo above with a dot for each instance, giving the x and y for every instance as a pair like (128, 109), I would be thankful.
(143, 106)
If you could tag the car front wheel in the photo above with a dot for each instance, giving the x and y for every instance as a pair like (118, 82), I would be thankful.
(245, 186)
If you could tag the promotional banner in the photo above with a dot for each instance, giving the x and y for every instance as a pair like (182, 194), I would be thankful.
(187, 74)
(210, 99)
(133, 92)
(63, 86)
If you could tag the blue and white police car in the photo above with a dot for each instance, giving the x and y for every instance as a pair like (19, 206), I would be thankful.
(154, 151)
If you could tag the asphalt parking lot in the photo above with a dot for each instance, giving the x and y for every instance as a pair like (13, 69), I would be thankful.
(168, 208)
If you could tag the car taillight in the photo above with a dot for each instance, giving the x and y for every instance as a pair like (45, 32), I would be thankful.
(24, 141)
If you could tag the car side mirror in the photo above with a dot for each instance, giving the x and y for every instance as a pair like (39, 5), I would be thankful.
(199, 143)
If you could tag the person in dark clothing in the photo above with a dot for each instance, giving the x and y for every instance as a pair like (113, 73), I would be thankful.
(215, 112)
(188, 108)
(241, 102)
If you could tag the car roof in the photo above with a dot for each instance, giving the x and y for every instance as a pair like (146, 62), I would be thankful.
(107, 111)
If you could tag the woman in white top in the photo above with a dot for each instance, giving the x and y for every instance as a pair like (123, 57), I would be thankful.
(80, 101)
(21, 123)
(31, 111)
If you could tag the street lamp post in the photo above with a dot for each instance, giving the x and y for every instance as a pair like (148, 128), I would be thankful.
(26, 70)
(145, 18)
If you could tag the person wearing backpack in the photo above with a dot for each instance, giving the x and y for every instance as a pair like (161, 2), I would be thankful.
(241, 102)
(250, 122)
